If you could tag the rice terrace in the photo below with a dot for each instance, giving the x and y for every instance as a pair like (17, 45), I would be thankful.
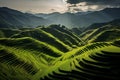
(59, 40)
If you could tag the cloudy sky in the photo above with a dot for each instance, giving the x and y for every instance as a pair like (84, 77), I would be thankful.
(48, 6)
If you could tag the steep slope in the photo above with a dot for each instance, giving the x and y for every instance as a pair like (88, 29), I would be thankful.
(85, 34)
(115, 22)
(97, 62)
(92, 31)
(18, 64)
(44, 37)
(10, 18)
(22, 58)
(31, 44)
(8, 32)
(77, 30)
(107, 35)
(28, 58)
(64, 35)
(65, 30)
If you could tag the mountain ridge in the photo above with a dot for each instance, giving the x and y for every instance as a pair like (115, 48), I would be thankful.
(75, 20)
(14, 18)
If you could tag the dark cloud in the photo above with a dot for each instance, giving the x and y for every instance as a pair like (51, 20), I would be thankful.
(98, 2)
(73, 1)
(91, 5)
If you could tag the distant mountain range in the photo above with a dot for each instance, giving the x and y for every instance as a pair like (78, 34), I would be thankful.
(83, 19)
(14, 18)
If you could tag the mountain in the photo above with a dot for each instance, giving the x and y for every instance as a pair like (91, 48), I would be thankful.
(107, 35)
(83, 19)
(64, 35)
(96, 61)
(47, 15)
(44, 37)
(10, 18)
(77, 30)
(30, 59)
(67, 19)
(24, 56)
(104, 15)
(101, 32)
(13, 18)
(54, 52)
(55, 35)
(115, 22)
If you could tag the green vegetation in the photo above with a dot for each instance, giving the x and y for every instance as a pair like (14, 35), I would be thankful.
(63, 35)
(18, 63)
(104, 33)
(44, 37)
(107, 35)
(31, 44)
(56, 53)
(101, 62)
(8, 32)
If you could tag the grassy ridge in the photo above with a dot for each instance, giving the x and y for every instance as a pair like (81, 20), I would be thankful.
(98, 63)
(18, 63)
(28, 43)
(65, 30)
(104, 33)
(107, 35)
(66, 38)
(25, 57)
(44, 37)
(8, 32)
(101, 32)
(47, 53)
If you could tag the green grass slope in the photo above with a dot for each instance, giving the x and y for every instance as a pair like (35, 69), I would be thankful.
(8, 32)
(90, 34)
(99, 29)
(63, 36)
(107, 35)
(94, 62)
(28, 43)
(44, 37)
(115, 22)
(84, 36)
(18, 64)
(22, 58)
(30, 59)
(65, 30)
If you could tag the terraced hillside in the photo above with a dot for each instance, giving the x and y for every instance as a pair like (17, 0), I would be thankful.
(107, 35)
(94, 62)
(44, 37)
(26, 51)
(55, 53)
(100, 32)
(5, 33)
(54, 35)
(22, 58)
(64, 35)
